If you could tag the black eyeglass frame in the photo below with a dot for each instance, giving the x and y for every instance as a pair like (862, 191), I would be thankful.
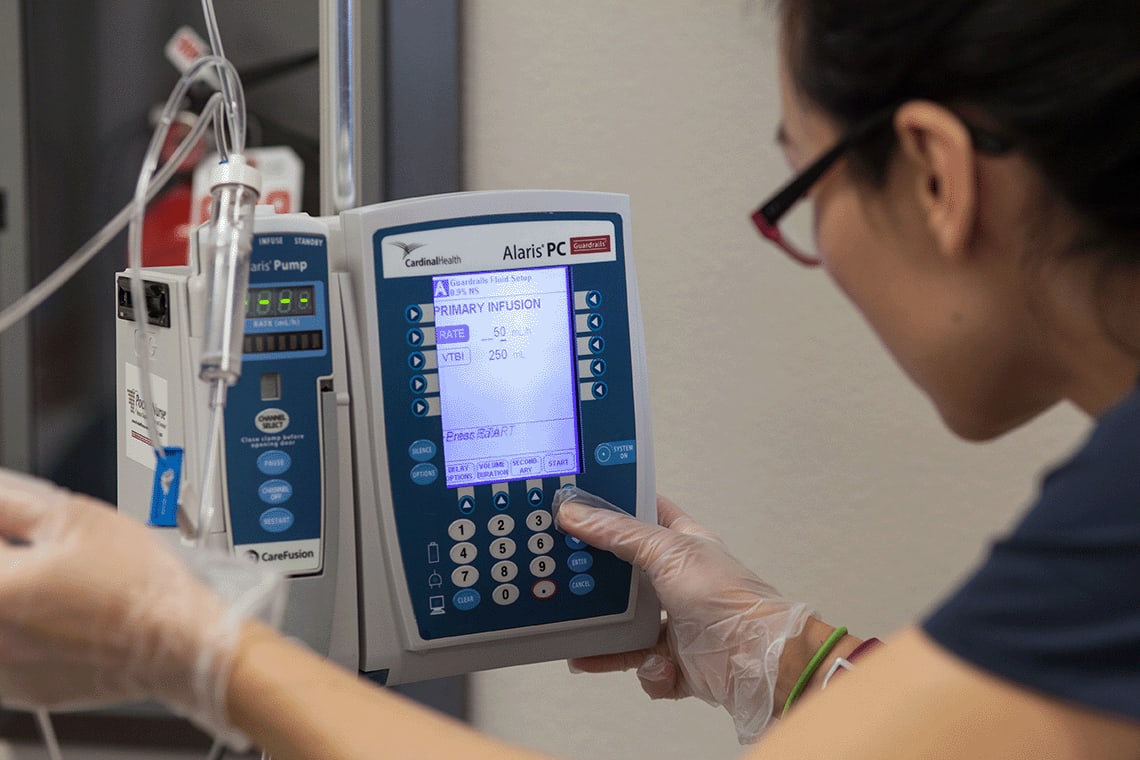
(767, 216)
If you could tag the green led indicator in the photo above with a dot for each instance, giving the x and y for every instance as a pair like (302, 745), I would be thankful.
(264, 302)
(286, 300)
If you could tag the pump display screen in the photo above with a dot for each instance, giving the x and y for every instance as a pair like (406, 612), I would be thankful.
(507, 384)
(288, 301)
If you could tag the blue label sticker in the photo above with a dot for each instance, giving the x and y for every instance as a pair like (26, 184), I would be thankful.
(167, 483)
(276, 520)
(275, 491)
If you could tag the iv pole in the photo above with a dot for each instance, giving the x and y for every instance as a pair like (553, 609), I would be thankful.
(339, 94)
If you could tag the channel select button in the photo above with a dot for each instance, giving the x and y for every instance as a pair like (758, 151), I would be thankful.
(275, 491)
(274, 462)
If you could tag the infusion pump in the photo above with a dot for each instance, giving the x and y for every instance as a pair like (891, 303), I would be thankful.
(418, 379)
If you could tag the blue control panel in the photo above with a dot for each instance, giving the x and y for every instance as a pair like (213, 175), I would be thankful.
(272, 431)
(501, 385)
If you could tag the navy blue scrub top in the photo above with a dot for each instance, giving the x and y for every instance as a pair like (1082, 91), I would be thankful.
(1056, 605)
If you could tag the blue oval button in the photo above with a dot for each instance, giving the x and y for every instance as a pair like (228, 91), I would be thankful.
(466, 599)
(275, 491)
(582, 584)
(580, 562)
(574, 543)
(424, 474)
(422, 450)
(274, 462)
(276, 520)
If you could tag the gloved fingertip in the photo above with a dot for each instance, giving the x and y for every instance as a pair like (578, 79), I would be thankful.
(571, 514)
(658, 676)
(573, 668)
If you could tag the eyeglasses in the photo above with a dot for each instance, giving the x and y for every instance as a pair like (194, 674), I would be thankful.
(783, 220)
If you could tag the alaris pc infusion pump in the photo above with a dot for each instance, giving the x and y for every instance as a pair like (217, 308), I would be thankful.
(420, 377)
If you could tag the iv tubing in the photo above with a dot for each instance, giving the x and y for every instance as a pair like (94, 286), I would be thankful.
(235, 100)
(207, 492)
(50, 740)
(134, 236)
(44, 289)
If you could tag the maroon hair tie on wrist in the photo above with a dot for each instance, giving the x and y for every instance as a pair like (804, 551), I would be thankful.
(863, 648)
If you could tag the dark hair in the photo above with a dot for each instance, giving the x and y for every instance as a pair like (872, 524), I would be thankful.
(1060, 79)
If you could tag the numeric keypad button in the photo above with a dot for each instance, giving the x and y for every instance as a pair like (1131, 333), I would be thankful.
(508, 593)
(540, 567)
(465, 576)
(504, 572)
(503, 548)
(538, 520)
(464, 553)
(461, 530)
(501, 525)
(540, 543)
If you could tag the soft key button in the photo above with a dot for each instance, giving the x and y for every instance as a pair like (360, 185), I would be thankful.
(465, 499)
(274, 462)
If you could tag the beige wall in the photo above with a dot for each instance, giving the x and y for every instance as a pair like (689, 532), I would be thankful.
(778, 419)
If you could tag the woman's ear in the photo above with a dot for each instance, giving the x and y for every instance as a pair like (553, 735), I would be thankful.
(940, 154)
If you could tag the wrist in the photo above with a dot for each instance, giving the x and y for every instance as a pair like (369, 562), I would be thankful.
(799, 652)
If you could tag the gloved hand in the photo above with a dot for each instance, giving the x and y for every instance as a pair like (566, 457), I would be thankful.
(97, 609)
(725, 628)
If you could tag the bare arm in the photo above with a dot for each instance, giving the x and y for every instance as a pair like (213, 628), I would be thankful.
(912, 699)
(298, 706)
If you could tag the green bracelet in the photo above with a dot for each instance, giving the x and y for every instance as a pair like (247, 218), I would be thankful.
(813, 665)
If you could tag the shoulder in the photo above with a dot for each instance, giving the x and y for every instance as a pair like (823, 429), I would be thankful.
(1054, 606)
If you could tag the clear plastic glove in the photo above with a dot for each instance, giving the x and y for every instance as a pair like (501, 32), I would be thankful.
(96, 609)
(725, 628)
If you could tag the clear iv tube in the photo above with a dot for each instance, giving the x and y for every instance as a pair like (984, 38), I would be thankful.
(46, 287)
(226, 72)
(235, 103)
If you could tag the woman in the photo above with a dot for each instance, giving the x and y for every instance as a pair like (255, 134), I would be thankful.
(971, 168)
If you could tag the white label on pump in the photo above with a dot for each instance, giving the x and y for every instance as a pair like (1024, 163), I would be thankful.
(490, 247)
(286, 556)
(139, 446)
